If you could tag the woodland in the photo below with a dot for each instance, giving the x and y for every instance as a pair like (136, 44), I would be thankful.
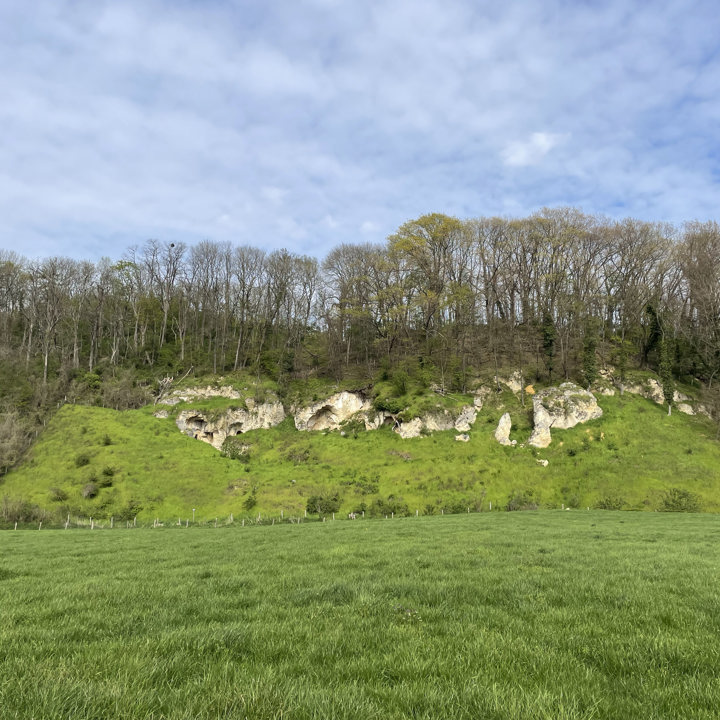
(557, 295)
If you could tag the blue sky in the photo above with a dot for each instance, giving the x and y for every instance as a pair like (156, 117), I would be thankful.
(307, 123)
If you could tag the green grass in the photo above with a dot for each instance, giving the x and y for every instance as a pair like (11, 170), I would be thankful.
(503, 615)
(630, 459)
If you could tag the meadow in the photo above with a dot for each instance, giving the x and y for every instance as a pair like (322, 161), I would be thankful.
(575, 614)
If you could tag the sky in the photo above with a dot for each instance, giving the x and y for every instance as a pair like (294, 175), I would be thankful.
(304, 124)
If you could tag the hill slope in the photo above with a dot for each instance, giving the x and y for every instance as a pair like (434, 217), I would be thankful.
(98, 462)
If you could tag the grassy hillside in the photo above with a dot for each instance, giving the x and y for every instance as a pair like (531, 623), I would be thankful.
(101, 463)
(502, 615)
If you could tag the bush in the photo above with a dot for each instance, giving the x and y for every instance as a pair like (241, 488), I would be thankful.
(57, 495)
(90, 491)
(107, 440)
(234, 449)
(324, 504)
(522, 501)
(611, 502)
(380, 507)
(680, 500)
(250, 501)
(388, 404)
(400, 382)
(82, 459)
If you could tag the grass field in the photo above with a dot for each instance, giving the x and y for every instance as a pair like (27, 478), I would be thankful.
(494, 615)
(141, 465)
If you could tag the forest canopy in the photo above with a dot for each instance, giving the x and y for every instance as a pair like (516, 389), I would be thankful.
(455, 297)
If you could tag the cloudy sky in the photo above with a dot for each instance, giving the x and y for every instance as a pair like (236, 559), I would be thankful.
(306, 123)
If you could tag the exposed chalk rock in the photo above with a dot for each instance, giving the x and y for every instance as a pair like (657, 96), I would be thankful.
(331, 413)
(462, 438)
(467, 417)
(481, 395)
(561, 407)
(190, 394)
(213, 428)
(502, 432)
(411, 429)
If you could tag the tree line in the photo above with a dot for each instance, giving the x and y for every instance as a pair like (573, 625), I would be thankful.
(552, 293)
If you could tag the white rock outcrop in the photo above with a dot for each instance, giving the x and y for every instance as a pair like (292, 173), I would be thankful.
(481, 395)
(411, 429)
(213, 428)
(561, 407)
(330, 414)
(502, 431)
(514, 382)
(437, 422)
(652, 390)
(467, 417)
(462, 438)
(190, 394)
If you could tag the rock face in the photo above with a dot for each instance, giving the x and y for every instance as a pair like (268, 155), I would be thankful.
(190, 394)
(561, 407)
(652, 390)
(331, 413)
(411, 429)
(481, 395)
(437, 422)
(514, 382)
(467, 417)
(502, 432)
(214, 429)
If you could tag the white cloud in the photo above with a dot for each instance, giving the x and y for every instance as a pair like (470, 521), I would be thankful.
(520, 153)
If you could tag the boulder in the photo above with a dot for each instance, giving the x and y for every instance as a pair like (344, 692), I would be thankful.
(330, 414)
(462, 438)
(561, 407)
(502, 432)
(213, 428)
(544, 463)
(685, 408)
(467, 417)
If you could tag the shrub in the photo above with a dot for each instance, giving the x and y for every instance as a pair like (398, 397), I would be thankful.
(522, 501)
(324, 504)
(388, 404)
(108, 471)
(380, 507)
(680, 500)
(250, 501)
(400, 382)
(57, 495)
(107, 440)
(234, 449)
(82, 459)
(90, 491)
(611, 502)
(129, 510)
